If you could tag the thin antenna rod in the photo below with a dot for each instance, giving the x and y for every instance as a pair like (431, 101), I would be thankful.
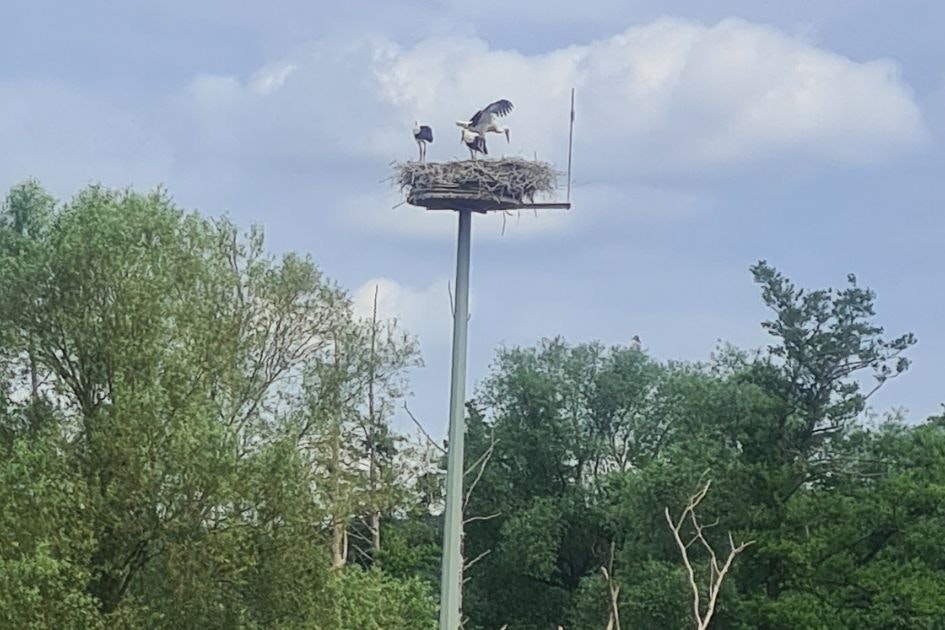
(570, 144)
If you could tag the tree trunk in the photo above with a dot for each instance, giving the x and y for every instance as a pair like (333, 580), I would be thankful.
(34, 375)
(339, 533)
(339, 545)
(376, 532)
(372, 434)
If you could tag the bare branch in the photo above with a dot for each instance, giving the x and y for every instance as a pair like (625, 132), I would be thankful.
(716, 573)
(473, 519)
(429, 439)
(449, 290)
(690, 573)
(469, 564)
(482, 462)
(486, 455)
(613, 590)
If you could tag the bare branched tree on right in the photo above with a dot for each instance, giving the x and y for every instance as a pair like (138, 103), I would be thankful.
(687, 526)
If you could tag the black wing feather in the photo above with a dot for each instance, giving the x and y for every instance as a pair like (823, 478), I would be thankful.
(499, 108)
(478, 143)
(425, 133)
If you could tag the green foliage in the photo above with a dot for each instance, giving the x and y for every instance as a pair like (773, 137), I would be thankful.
(411, 549)
(155, 473)
(531, 538)
(374, 601)
(591, 444)
(650, 597)
(26, 210)
(46, 539)
(194, 433)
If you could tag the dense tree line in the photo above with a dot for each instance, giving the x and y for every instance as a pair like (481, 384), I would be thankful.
(196, 434)
(190, 427)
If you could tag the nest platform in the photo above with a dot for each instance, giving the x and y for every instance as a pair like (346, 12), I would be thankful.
(478, 185)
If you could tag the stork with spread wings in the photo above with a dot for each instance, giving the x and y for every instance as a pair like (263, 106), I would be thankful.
(484, 121)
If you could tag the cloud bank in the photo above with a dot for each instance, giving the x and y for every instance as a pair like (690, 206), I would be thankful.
(671, 95)
(660, 102)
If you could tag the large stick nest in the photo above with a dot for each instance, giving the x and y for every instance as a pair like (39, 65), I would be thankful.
(500, 180)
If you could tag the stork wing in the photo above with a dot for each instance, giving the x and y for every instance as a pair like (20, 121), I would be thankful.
(498, 108)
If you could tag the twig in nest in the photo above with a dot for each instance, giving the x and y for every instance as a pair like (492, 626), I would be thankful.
(508, 178)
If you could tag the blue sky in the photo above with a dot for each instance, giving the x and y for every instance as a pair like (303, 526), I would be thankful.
(806, 133)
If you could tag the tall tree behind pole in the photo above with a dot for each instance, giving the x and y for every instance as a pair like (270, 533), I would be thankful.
(450, 579)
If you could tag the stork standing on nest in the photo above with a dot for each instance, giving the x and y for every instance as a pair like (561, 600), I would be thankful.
(422, 134)
(475, 142)
(484, 121)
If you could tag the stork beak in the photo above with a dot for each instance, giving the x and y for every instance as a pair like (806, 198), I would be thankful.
(507, 139)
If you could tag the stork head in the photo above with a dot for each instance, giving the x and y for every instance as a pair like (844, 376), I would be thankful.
(506, 131)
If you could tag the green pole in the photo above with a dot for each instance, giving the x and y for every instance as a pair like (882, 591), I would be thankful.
(452, 566)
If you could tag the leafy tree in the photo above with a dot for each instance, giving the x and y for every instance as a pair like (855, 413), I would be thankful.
(374, 601)
(46, 538)
(593, 443)
(168, 356)
(194, 433)
(342, 424)
(561, 417)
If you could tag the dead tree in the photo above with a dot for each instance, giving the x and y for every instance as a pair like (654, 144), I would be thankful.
(476, 470)
(478, 467)
(717, 571)
(613, 593)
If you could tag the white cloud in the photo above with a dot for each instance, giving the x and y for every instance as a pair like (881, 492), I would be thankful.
(268, 80)
(667, 100)
(660, 101)
(423, 311)
(672, 94)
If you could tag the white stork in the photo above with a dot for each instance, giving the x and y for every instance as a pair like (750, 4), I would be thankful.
(422, 134)
(475, 142)
(484, 121)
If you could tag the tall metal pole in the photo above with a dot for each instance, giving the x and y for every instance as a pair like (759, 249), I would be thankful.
(570, 143)
(450, 579)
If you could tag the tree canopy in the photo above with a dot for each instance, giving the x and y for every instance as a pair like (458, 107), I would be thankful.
(197, 434)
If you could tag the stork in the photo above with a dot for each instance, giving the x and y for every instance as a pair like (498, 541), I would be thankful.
(475, 142)
(422, 134)
(484, 121)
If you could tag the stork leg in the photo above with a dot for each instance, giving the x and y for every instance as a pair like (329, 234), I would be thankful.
(420, 149)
